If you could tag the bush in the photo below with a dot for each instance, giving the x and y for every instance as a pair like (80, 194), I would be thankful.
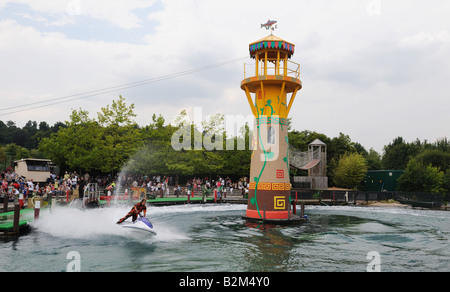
(350, 170)
(419, 177)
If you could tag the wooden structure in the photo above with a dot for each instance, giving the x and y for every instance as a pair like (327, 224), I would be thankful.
(315, 162)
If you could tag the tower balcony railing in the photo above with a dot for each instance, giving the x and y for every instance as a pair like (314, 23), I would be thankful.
(292, 70)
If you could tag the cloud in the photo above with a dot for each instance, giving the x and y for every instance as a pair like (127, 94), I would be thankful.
(116, 12)
(49, 65)
(426, 39)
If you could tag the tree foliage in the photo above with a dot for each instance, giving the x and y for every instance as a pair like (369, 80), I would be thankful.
(419, 177)
(157, 156)
(87, 144)
(398, 153)
(350, 170)
(427, 165)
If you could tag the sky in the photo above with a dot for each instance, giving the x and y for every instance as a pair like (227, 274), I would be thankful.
(371, 69)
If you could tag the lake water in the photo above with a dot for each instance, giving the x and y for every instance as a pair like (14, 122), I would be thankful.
(214, 238)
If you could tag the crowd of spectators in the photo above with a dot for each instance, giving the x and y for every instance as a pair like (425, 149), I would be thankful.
(158, 185)
(13, 185)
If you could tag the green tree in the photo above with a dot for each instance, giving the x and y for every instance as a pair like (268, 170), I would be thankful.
(421, 178)
(120, 135)
(75, 146)
(301, 140)
(157, 156)
(435, 157)
(3, 158)
(341, 145)
(398, 153)
(373, 159)
(442, 144)
(237, 162)
(350, 170)
(118, 114)
(116, 145)
(446, 183)
(11, 152)
(86, 144)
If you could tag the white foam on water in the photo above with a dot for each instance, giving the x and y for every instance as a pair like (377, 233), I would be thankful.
(77, 223)
(74, 223)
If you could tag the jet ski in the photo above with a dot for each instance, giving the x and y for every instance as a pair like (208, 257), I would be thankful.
(141, 224)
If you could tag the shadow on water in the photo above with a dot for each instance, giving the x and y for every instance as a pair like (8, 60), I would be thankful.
(250, 246)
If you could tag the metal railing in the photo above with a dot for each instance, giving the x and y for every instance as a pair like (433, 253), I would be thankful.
(291, 70)
(91, 193)
(412, 198)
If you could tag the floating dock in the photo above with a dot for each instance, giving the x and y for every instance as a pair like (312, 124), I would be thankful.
(294, 219)
(7, 221)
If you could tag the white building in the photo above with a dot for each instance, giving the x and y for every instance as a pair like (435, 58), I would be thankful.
(36, 169)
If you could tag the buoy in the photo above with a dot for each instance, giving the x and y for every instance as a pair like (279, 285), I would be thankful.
(37, 208)
(21, 200)
(16, 216)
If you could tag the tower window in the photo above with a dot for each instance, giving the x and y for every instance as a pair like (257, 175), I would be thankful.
(270, 135)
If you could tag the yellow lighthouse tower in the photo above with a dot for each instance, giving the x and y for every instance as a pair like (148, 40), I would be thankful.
(271, 87)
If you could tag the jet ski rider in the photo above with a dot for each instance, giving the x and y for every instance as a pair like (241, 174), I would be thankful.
(137, 209)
